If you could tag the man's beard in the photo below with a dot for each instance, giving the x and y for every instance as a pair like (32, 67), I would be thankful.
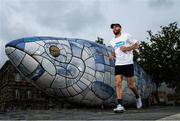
(117, 32)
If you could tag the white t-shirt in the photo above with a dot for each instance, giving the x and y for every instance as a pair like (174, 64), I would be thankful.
(123, 58)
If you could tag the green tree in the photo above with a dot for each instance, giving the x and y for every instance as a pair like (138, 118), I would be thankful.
(160, 57)
(100, 40)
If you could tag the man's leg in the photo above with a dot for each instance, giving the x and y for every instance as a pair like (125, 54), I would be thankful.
(118, 83)
(131, 85)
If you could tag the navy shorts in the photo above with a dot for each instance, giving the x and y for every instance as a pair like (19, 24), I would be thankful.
(125, 70)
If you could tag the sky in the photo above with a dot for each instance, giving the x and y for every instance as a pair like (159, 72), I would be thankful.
(85, 19)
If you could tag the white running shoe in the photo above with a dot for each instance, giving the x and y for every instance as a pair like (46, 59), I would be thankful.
(138, 103)
(119, 109)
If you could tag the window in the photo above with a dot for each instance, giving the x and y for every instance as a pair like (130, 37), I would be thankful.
(39, 94)
(18, 77)
(17, 94)
(29, 94)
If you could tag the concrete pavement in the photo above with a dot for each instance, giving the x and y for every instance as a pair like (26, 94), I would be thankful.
(152, 113)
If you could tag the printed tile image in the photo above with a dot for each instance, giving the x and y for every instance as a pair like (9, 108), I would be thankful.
(74, 70)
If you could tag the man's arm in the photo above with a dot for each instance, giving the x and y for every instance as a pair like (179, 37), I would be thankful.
(132, 47)
(112, 56)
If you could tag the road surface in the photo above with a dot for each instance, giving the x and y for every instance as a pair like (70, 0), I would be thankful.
(152, 113)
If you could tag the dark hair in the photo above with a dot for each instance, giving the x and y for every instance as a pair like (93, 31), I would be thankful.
(115, 24)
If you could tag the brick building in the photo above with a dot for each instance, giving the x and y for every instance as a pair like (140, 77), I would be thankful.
(18, 94)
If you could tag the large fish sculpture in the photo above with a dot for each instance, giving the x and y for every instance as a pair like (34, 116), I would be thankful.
(73, 70)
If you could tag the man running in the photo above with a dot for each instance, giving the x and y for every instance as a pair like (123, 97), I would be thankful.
(123, 45)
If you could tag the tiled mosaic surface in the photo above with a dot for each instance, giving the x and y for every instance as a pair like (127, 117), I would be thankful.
(74, 70)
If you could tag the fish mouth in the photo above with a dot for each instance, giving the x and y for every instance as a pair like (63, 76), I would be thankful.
(27, 65)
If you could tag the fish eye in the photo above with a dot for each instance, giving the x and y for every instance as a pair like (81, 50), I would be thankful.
(54, 51)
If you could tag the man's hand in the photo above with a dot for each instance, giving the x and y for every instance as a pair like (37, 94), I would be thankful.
(110, 57)
(123, 48)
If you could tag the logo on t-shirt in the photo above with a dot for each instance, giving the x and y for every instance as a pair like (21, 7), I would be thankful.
(119, 44)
